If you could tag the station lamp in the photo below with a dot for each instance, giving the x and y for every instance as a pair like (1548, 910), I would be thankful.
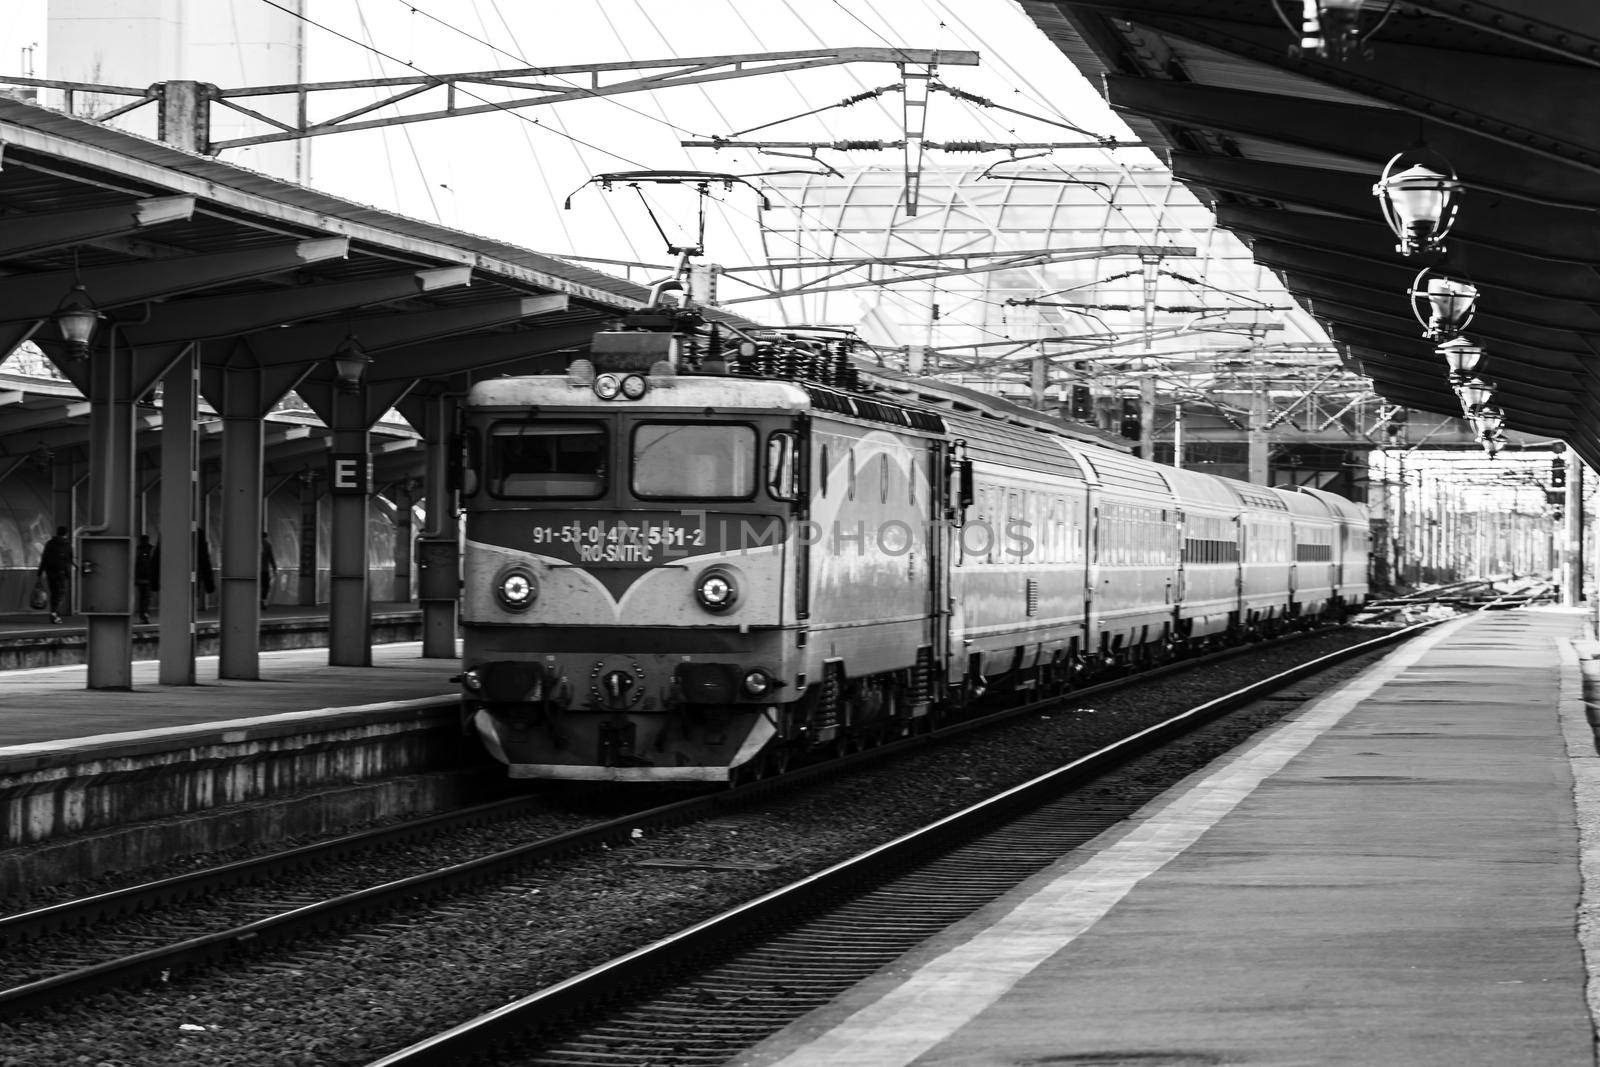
(1489, 421)
(1475, 394)
(1462, 356)
(350, 363)
(1453, 302)
(1332, 28)
(1419, 204)
(77, 318)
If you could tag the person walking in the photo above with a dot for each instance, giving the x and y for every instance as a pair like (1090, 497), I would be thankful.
(146, 574)
(55, 564)
(269, 569)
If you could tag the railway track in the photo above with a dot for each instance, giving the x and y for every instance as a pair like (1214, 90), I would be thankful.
(718, 987)
(147, 947)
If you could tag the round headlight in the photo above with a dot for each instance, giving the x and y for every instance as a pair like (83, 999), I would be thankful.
(716, 590)
(757, 682)
(517, 590)
(607, 386)
(634, 386)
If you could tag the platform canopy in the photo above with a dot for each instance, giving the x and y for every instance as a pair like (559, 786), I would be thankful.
(1285, 124)
(176, 252)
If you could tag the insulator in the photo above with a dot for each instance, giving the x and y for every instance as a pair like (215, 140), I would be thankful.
(962, 94)
(968, 146)
(846, 145)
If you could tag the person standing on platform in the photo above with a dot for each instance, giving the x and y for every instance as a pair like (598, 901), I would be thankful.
(269, 569)
(146, 574)
(205, 577)
(55, 563)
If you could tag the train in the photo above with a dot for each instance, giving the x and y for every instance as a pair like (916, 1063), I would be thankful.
(703, 553)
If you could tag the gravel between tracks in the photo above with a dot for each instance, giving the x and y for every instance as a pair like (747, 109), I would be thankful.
(382, 986)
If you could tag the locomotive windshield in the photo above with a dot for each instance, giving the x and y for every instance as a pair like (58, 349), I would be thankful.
(564, 460)
(694, 461)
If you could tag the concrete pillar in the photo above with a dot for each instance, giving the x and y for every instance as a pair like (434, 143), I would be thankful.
(238, 557)
(349, 483)
(103, 586)
(404, 491)
(1147, 418)
(1572, 558)
(439, 573)
(307, 593)
(180, 490)
(1260, 472)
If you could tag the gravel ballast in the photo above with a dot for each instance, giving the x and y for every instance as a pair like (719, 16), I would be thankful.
(381, 986)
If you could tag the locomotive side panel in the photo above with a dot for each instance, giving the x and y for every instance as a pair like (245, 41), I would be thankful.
(870, 521)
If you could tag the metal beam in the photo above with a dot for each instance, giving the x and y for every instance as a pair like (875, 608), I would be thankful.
(489, 352)
(1390, 305)
(376, 334)
(1513, 226)
(1362, 134)
(227, 316)
(25, 298)
(1478, 97)
(1518, 273)
(1395, 278)
(542, 83)
(17, 422)
(21, 234)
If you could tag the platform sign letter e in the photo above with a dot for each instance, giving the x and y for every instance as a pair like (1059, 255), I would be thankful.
(347, 474)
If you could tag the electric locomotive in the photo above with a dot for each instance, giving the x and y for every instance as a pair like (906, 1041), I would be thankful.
(700, 553)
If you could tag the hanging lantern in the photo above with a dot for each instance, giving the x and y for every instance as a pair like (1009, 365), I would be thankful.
(350, 364)
(1475, 394)
(1488, 421)
(1463, 357)
(77, 318)
(1419, 204)
(1332, 28)
(1452, 303)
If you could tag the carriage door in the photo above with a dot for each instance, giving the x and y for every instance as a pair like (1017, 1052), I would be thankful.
(801, 546)
(1342, 545)
(1294, 559)
(942, 487)
(955, 493)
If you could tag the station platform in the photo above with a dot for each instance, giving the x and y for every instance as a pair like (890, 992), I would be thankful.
(30, 639)
(94, 781)
(1404, 872)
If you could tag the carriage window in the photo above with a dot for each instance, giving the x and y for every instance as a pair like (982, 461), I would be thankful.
(694, 461)
(533, 460)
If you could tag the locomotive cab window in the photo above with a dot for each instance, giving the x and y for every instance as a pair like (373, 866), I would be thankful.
(562, 460)
(782, 476)
(694, 461)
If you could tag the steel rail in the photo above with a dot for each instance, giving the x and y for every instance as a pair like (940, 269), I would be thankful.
(286, 926)
(21, 926)
(715, 936)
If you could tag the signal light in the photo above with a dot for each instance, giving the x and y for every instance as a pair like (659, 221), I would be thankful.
(1558, 473)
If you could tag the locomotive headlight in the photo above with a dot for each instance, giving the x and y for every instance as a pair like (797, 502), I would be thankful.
(470, 680)
(517, 589)
(716, 590)
(634, 386)
(757, 682)
(607, 386)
